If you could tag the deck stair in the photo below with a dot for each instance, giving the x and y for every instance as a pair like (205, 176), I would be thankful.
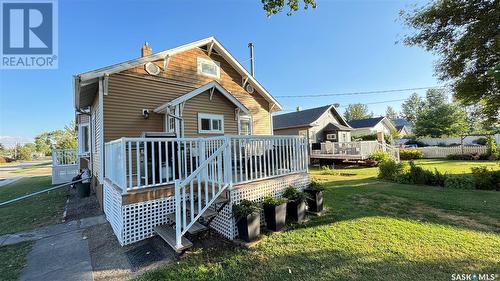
(198, 198)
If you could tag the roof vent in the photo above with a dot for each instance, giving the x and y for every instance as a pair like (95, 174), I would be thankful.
(152, 68)
(249, 88)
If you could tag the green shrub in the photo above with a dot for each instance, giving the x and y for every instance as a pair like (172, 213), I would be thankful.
(459, 182)
(380, 156)
(418, 175)
(293, 194)
(269, 200)
(493, 152)
(315, 186)
(409, 154)
(327, 171)
(390, 170)
(484, 178)
(459, 157)
(244, 209)
(439, 178)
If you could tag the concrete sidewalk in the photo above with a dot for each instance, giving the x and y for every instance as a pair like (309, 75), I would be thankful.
(61, 251)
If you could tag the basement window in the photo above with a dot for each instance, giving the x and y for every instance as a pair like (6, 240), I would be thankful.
(208, 67)
(210, 123)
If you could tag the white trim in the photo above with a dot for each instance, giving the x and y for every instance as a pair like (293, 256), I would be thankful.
(201, 61)
(81, 138)
(245, 118)
(161, 55)
(333, 138)
(211, 117)
(103, 90)
(163, 108)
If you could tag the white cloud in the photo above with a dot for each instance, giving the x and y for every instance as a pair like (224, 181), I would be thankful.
(11, 141)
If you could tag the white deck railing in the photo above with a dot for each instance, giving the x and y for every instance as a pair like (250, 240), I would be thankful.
(136, 163)
(64, 165)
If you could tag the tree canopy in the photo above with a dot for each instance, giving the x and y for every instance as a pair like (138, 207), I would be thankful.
(391, 113)
(273, 7)
(465, 34)
(439, 117)
(412, 107)
(357, 111)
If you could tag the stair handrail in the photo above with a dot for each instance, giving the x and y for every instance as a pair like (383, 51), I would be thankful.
(179, 185)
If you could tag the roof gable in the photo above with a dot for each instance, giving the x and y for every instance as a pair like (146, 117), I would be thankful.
(209, 86)
(305, 117)
(365, 123)
(211, 42)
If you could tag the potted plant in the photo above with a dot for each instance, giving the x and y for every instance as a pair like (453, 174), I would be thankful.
(275, 212)
(296, 206)
(247, 216)
(315, 199)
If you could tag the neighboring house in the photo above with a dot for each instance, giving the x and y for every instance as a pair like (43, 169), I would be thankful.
(403, 127)
(177, 137)
(403, 131)
(370, 126)
(318, 125)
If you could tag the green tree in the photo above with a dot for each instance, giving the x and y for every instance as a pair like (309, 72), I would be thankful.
(273, 7)
(357, 111)
(411, 107)
(2, 149)
(447, 119)
(43, 143)
(66, 139)
(465, 35)
(391, 113)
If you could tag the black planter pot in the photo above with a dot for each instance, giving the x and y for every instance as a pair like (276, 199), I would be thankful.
(275, 216)
(315, 200)
(249, 227)
(83, 189)
(296, 211)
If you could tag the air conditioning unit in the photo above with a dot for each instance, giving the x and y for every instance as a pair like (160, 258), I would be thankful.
(152, 68)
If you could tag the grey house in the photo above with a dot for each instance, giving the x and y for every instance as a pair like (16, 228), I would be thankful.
(318, 125)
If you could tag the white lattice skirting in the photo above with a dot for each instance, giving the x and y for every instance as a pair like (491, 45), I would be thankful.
(135, 222)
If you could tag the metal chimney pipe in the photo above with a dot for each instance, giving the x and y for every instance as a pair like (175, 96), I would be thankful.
(250, 45)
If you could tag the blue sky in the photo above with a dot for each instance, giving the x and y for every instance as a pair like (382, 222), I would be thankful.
(342, 46)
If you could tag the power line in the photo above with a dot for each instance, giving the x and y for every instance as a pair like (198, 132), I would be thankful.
(376, 102)
(360, 93)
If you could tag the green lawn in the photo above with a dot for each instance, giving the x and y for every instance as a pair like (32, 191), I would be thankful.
(13, 259)
(33, 212)
(374, 230)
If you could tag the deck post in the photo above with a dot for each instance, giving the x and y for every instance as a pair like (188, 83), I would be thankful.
(123, 175)
(227, 161)
(178, 223)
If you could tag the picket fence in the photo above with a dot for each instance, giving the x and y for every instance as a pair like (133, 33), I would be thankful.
(442, 152)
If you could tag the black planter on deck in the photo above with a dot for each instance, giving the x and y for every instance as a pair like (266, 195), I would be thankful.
(275, 216)
(296, 210)
(249, 227)
(315, 200)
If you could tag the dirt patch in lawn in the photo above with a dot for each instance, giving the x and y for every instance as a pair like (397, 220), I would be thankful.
(397, 206)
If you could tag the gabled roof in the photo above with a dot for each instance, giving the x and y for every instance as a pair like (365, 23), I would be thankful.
(92, 76)
(400, 127)
(213, 85)
(304, 118)
(337, 127)
(364, 123)
(402, 122)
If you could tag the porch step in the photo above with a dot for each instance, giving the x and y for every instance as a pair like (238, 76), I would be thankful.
(167, 233)
(196, 227)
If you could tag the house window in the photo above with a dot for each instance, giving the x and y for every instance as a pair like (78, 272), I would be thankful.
(210, 123)
(245, 125)
(331, 136)
(84, 138)
(208, 68)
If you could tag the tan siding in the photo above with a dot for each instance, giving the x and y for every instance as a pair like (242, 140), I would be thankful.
(127, 96)
(182, 68)
(202, 104)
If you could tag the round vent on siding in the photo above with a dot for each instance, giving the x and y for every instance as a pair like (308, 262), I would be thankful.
(152, 68)
(249, 88)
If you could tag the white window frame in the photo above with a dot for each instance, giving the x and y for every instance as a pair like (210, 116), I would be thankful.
(206, 61)
(81, 138)
(211, 117)
(247, 118)
(334, 137)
